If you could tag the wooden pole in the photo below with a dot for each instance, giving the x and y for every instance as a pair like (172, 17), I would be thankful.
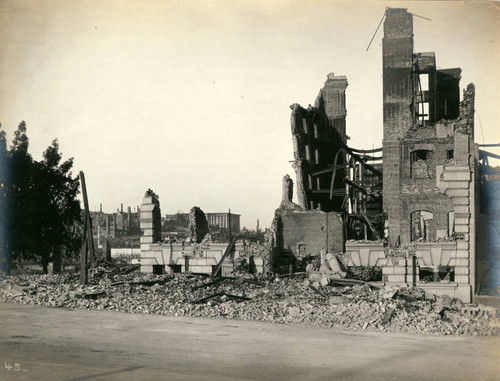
(83, 255)
(226, 254)
(88, 240)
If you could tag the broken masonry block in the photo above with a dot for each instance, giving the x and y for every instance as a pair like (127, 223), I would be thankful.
(334, 265)
(287, 194)
(198, 225)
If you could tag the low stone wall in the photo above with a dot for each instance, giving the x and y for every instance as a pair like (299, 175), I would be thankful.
(365, 253)
(201, 259)
(399, 270)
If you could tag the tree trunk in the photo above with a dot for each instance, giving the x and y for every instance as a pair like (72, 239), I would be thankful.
(56, 261)
(5, 261)
(45, 265)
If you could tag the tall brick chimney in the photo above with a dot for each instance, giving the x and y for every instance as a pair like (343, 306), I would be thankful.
(398, 91)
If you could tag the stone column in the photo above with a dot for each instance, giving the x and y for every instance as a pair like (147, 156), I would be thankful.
(150, 220)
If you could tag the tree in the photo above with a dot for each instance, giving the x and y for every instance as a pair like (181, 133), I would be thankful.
(4, 210)
(16, 177)
(43, 213)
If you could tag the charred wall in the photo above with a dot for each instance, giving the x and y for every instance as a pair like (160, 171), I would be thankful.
(318, 134)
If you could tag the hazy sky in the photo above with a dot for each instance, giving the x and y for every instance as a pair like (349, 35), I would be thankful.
(191, 98)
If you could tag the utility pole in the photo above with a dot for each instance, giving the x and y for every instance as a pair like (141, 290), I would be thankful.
(88, 240)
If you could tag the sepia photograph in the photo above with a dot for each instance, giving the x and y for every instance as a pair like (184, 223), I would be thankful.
(249, 190)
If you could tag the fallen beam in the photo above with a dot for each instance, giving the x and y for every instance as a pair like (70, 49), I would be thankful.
(370, 225)
(207, 284)
(352, 281)
(317, 291)
(365, 150)
(483, 154)
(226, 254)
(204, 299)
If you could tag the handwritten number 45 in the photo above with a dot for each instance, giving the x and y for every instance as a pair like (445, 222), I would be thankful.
(16, 366)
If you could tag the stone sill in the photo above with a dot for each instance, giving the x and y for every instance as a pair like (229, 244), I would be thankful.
(438, 285)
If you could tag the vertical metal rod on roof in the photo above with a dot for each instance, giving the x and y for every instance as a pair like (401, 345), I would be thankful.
(229, 224)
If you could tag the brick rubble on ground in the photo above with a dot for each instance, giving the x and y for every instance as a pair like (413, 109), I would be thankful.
(290, 300)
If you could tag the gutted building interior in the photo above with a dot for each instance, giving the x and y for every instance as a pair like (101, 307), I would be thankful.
(408, 207)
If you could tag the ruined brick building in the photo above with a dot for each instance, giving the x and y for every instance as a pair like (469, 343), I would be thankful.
(410, 210)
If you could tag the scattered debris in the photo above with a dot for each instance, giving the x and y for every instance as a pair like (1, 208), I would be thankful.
(343, 303)
(387, 316)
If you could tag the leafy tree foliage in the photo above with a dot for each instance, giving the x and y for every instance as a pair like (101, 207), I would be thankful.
(40, 212)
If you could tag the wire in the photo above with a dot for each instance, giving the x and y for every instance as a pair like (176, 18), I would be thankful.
(422, 17)
(374, 34)
(480, 124)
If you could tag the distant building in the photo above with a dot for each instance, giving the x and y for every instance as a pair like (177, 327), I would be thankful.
(112, 225)
(180, 217)
(222, 220)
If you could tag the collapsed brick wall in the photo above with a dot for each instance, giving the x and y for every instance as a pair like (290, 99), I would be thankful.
(318, 133)
(308, 232)
(198, 225)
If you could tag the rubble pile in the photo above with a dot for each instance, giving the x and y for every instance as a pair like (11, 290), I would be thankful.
(257, 249)
(287, 299)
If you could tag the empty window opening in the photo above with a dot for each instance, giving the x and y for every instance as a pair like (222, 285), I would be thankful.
(176, 268)
(450, 154)
(304, 125)
(421, 154)
(308, 152)
(424, 82)
(158, 269)
(418, 164)
(424, 111)
(422, 226)
(438, 274)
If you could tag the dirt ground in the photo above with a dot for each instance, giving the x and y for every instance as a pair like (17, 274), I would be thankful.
(39, 343)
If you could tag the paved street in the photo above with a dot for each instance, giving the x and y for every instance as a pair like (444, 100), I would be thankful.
(58, 344)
